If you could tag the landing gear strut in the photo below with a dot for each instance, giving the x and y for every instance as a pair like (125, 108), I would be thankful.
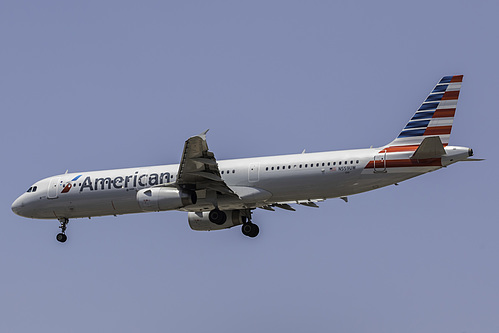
(249, 229)
(61, 237)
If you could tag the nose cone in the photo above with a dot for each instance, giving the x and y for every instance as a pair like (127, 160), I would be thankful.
(17, 206)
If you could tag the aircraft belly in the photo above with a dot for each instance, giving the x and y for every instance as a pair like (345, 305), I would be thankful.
(322, 185)
(370, 180)
(95, 204)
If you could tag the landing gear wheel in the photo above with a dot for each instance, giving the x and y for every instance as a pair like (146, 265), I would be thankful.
(61, 237)
(217, 216)
(250, 229)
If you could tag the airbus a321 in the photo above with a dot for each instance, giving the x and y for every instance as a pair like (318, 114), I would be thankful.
(223, 194)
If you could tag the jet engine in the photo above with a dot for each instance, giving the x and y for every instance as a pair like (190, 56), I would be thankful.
(201, 221)
(164, 198)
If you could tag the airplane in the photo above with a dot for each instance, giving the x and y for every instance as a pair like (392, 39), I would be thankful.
(223, 194)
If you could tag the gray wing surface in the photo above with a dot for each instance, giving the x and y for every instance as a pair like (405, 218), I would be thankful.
(198, 169)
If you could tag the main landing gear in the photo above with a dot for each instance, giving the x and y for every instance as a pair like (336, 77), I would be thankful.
(61, 237)
(249, 229)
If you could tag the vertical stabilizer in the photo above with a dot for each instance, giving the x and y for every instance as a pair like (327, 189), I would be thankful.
(435, 116)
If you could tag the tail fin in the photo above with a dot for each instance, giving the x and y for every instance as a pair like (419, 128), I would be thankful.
(435, 116)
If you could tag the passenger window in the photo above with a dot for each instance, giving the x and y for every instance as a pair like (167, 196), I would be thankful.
(328, 163)
(357, 161)
(222, 172)
(317, 165)
(300, 165)
(339, 162)
(272, 168)
(351, 162)
(306, 165)
(289, 166)
(233, 171)
(267, 169)
(277, 168)
(334, 163)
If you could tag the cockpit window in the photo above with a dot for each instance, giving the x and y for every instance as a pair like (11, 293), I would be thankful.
(32, 189)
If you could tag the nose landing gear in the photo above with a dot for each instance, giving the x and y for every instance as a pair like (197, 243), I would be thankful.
(61, 237)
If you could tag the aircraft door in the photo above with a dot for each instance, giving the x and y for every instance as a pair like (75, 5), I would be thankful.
(380, 162)
(52, 192)
(253, 172)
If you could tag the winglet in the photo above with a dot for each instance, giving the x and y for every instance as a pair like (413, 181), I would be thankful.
(204, 133)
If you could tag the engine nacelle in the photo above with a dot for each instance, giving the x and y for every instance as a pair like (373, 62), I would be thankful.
(164, 198)
(201, 222)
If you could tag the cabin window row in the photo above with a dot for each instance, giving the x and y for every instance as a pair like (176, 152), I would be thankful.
(227, 172)
(311, 165)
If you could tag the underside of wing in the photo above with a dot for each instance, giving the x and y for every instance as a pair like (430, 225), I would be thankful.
(287, 205)
(198, 169)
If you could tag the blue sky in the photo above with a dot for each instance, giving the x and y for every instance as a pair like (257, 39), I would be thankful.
(99, 85)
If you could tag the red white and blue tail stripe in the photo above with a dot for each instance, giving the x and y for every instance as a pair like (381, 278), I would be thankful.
(434, 117)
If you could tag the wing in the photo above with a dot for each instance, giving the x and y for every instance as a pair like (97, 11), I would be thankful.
(198, 169)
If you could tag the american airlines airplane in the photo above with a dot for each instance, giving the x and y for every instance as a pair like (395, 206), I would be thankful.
(222, 194)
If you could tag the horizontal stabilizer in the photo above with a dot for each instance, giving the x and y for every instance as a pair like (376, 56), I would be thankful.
(431, 147)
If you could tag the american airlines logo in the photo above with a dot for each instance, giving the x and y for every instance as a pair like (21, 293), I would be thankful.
(132, 181)
(68, 185)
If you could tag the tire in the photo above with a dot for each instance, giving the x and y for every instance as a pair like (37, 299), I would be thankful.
(255, 230)
(250, 230)
(246, 229)
(61, 237)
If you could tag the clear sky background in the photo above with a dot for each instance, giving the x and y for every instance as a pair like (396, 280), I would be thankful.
(108, 84)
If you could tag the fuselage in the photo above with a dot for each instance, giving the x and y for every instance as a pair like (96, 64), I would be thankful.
(284, 178)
